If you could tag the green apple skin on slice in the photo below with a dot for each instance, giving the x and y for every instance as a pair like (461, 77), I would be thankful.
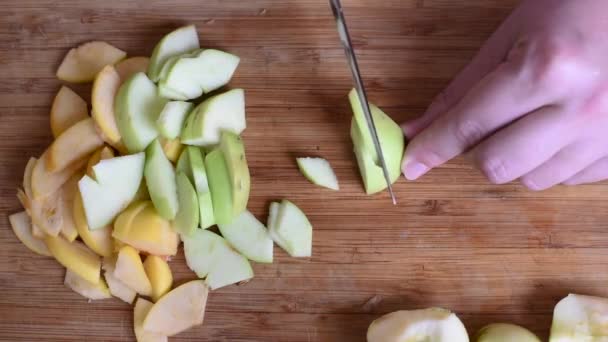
(188, 215)
(233, 149)
(199, 250)
(580, 318)
(292, 231)
(160, 178)
(198, 176)
(114, 187)
(249, 236)
(319, 172)
(171, 119)
(219, 186)
(137, 107)
(177, 42)
(503, 332)
(163, 89)
(222, 112)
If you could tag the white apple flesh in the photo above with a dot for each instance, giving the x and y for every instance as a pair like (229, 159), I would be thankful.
(291, 230)
(177, 42)
(503, 332)
(249, 236)
(171, 120)
(319, 172)
(580, 318)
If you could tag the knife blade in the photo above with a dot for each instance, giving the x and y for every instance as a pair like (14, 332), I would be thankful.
(336, 8)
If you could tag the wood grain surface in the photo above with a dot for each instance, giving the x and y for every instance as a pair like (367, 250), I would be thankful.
(490, 253)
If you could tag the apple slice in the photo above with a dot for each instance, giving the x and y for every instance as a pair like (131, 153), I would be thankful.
(140, 312)
(233, 149)
(178, 310)
(75, 143)
(45, 183)
(85, 288)
(82, 63)
(219, 186)
(137, 106)
(159, 273)
(171, 119)
(204, 72)
(104, 92)
(160, 178)
(172, 147)
(319, 172)
(66, 202)
(130, 270)
(100, 240)
(503, 332)
(130, 66)
(291, 230)
(76, 257)
(192, 164)
(580, 318)
(117, 182)
(187, 218)
(68, 108)
(177, 42)
(22, 227)
(99, 155)
(222, 112)
(27, 177)
(249, 236)
(430, 325)
(37, 232)
(117, 288)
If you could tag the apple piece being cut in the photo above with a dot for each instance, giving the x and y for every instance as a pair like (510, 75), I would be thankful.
(68, 108)
(22, 227)
(172, 117)
(117, 182)
(160, 178)
(319, 172)
(222, 112)
(219, 186)
(75, 143)
(159, 273)
(45, 183)
(291, 230)
(130, 270)
(192, 163)
(233, 149)
(580, 318)
(103, 94)
(85, 288)
(137, 106)
(503, 332)
(177, 42)
(172, 147)
(187, 218)
(100, 240)
(178, 310)
(140, 312)
(118, 289)
(249, 236)
(76, 257)
(430, 325)
(130, 66)
(82, 63)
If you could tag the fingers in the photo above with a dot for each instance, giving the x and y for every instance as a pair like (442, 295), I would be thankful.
(595, 172)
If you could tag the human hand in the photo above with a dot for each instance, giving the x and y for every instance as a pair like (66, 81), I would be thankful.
(533, 103)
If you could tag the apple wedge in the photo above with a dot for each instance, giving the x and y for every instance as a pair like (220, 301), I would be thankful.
(66, 202)
(503, 332)
(27, 177)
(130, 66)
(178, 310)
(130, 270)
(22, 227)
(319, 172)
(291, 230)
(219, 186)
(117, 182)
(187, 218)
(580, 318)
(429, 325)
(222, 112)
(103, 94)
(118, 289)
(140, 312)
(100, 240)
(233, 149)
(172, 147)
(76, 143)
(85, 288)
(68, 108)
(45, 183)
(161, 181)
(249, 236)
(82, 63)
(192, 164)
(172, 117)
(159, 273)
(177, 42)
(76, 257)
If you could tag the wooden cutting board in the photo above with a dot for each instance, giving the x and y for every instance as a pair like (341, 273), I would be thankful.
(490, 253)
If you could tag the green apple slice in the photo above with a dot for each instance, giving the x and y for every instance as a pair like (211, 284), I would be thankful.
(249, 236)
(188, 215)
(292, 231)
(233, 149)
(219, 186)
(201, 183)
(117, 182)
(137, 107)
(222, 112)
(160, 178)
(580, 318)
(503, 332)
(273, 213)
(177, 42)
(171, 119)
(319, 172)
(429, 325)
(199, 249)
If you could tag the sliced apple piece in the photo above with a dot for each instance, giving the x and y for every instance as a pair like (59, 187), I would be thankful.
(319, 172)
(76, 143)
(187, 218)
(37, 232)
(159, 273)
(178, 310)
(99, 155)
(93, 291)
(197, 173)
(27, 177)
(222, 112)
(291, 230)
(76, 257)
(118, 289)
(103, 94)
(273, 213)
(503, 332)
(172, 117)
(140, 312)
(130, 66)
(219, 186)
(233, 149)
(161, 181)
(45, 183)
(580, 318)
(199, 249)
(177, 42)
(46, 213)
(22, 227)
(172, 147)
(430, 325)
(68, 108)
(82, 63)
(249, 236)
(66, 202)
(130, 270)
(100, 240)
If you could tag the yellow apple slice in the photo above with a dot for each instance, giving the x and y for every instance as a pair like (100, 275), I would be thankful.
(45, 214)
(68, 108)
(130, 270)
(75, 143)
(66, 202)
(27, 177)
(99, 155)
(76, 257)
(178, 310)
(117, 288)
(44, 183)
(140, 312)
(159, 273)
(22, 227)
(37, 232)
(131, 66)
(85, 288)
(100, 240)
(172, 147)
(82, 63)
(104, 91)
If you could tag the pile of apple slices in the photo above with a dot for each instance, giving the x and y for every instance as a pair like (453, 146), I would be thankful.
(114, 194)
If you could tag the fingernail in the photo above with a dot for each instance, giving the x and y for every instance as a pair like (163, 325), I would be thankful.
(413, 170)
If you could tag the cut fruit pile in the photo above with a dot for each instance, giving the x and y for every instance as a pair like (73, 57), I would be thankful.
(115, 193)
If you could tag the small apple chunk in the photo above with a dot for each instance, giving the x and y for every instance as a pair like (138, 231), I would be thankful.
(159, 273)
(192, 162)
(172, 117)
(187, 218)
(93, 291)
(249, 236)
(82, 63)
(161, 181)
(319, 172)
(22, 227)
(45, 183)
(103, 94)
(222, 112)
(130, 270)
(76, 257)
(178, 310)
(68, 108)
(118, 289)
(504, 332)
(233, 149)
(580, 318)
(45, 213)
(177, 42)
(172, 147)
(430, 325)
(140, 312)
(76, 143)
(219, 186)
(130, 66)
(100, 240)
(291, 230)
